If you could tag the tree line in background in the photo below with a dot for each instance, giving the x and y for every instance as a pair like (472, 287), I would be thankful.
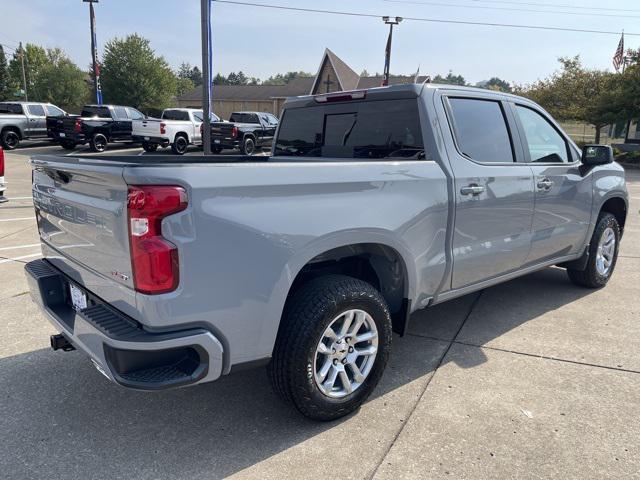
(132, 74)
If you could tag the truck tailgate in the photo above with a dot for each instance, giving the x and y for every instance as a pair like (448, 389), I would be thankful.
(149, 127)
(81, 210)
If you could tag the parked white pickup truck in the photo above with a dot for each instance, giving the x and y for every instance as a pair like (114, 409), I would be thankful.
(178, 127)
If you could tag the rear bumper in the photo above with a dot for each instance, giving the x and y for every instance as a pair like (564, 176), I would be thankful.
(164, 142)
(70, 137)
(224, 142)
(120, 347)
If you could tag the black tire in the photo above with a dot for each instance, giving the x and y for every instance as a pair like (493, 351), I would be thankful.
(149, 147)
(307, 315)
(248, 146)
(10, 139)
(180, 145)
(68, 144)
(216, 150)
(98, 142)
(591, 277)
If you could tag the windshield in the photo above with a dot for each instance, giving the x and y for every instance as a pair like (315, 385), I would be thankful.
(374, 130)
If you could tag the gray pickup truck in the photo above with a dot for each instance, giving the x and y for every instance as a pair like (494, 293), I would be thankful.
(25, 121)
(374, 204)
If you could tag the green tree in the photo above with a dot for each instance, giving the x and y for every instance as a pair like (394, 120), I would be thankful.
(51, 77)
(183, 85)
(132, 74)
(186, 71)
(5, 90)
(497, 84)
(284, 78)
(450, 79)
(576, 93)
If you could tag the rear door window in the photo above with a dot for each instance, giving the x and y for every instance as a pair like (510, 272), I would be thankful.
(481, 131)
(36, 110)
(365, 130)
(120, 113)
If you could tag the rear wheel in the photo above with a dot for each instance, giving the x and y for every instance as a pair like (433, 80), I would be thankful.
(180, 145)
(10, 139)
(149, 147)
(603, 254)
(248, 146)
(98, 142)
(332, 346)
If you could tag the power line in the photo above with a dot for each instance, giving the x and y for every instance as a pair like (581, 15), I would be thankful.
(552, 5)
(510, 9)
(7, 47)
(430, 20)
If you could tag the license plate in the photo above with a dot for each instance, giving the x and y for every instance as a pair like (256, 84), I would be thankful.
(78, 298)
(62, 134)
(146, 138)
(216, 141)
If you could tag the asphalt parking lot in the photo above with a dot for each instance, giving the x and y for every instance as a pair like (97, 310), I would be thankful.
(534, 378)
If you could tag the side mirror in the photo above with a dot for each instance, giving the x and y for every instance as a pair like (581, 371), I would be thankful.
(597, 155)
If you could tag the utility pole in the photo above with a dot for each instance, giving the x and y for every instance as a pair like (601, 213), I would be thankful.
(97, 90)
(387, 57)
(24, 76)
(205, 26)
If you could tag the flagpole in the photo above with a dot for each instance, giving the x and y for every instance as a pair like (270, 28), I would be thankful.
(205, 25)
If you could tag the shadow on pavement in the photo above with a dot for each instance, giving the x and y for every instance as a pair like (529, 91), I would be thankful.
(60, 419)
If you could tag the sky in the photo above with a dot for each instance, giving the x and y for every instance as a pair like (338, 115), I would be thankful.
(262, 42)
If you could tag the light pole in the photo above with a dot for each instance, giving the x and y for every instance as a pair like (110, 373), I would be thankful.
(97, 91)
(387, 54)
(205, 26)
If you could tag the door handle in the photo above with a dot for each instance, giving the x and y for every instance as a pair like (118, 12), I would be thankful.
(545, 184)
(473, 189)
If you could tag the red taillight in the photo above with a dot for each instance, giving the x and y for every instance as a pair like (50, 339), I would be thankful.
(234, 132)
(1, 162)
(154, 260)
(77, 127)
(162, 127)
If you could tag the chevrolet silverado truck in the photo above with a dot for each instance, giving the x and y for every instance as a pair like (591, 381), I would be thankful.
(177, 127)
(373, 204)
(97, 125)
(24, 121)
(245, 131)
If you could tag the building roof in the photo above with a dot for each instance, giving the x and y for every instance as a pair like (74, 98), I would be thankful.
(347, 78)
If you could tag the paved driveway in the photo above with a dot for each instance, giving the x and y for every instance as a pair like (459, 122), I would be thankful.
(533, 378)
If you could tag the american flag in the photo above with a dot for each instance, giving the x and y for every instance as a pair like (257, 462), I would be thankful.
(618, 58)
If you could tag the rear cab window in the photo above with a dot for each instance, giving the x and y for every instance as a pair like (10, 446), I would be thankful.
(96, 112)
(36, 110)
(13, 108)
(244, 118)
(175, 115)
(379, 129)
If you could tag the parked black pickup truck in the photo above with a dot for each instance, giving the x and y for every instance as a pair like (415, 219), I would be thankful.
(97, 125)
(245, 131)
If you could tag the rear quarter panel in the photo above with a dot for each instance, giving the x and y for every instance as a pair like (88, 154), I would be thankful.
(243, 241)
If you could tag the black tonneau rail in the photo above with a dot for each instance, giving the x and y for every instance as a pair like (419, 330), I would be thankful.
(152, 159)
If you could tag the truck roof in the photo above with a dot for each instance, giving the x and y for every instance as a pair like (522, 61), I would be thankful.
(410, 90)
(22, 102)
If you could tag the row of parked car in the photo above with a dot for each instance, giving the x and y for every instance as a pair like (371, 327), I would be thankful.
(100, 125)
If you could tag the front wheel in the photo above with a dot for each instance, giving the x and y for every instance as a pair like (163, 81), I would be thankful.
(603, 254)
(98, 143)
(332, 346)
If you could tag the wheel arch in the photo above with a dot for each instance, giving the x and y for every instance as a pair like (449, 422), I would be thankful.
(13, 128)
(617, 206)
(181, 134)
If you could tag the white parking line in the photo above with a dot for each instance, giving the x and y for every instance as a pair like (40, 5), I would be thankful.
(21, 198)
(20, 246)
(16, 219)
(15, 259)
(141, 153)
